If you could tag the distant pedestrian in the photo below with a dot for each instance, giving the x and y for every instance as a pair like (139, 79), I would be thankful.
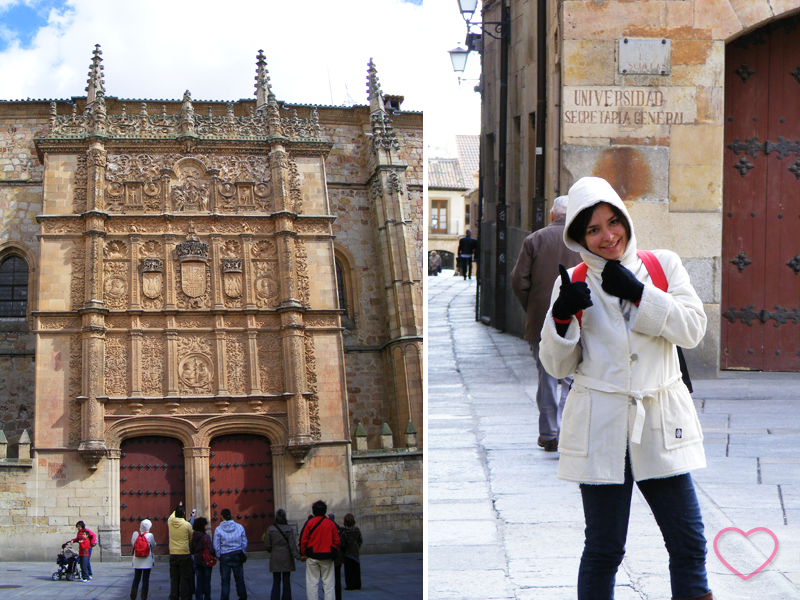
(84, 545)
(142, 565)
(180, 559)
(532, 282)
(320, 545)
(351, 542)
(434, 264)
(230, 544)
(282, 547)
(629, 416)
(467, 247)
(201, 541)
(81, 527)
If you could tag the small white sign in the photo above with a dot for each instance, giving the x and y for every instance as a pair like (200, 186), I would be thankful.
(644, 57)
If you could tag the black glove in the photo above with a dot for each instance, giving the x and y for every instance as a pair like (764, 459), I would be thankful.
(573, 298)
(620, 282)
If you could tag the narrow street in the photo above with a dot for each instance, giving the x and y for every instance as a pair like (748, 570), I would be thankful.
(501, 525)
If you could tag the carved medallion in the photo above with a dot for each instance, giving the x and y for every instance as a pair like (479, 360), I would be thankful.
(152, 277)
(232, 276)
(195, 372)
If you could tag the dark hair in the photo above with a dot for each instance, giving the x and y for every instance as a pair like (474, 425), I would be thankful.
(80, 524)
(319, 508)
(577, 229)
(349, 520)
(280, 517)
(200, 524)
(179, 512)
(226, 514)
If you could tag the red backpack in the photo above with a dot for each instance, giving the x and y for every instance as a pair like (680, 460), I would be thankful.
(141, 547)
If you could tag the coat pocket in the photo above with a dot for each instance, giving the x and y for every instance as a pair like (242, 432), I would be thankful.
(679, 422)
(574, 439)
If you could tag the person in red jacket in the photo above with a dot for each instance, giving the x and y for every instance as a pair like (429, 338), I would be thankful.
(81, 527)
(320, 545)
(84, 546)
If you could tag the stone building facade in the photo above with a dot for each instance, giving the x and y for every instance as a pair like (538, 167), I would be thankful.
(215, 298)
(653, 96)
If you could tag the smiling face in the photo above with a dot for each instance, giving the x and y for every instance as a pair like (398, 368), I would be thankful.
(606, 235)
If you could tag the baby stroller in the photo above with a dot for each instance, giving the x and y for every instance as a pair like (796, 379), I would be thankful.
(67, 562)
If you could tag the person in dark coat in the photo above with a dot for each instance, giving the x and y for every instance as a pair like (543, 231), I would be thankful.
(532, 282)
(338, 561)
(467, 246)
(201, 541)
(282, 546)
(351, 541)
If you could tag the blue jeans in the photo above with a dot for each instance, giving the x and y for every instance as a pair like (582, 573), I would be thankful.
(227, 563)
(202, 585)
(276, 586)
(85, 569)
(551, 406)
(607, 510)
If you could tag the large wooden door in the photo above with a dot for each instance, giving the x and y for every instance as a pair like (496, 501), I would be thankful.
(761, 201)
(152, 483)
(240, 473)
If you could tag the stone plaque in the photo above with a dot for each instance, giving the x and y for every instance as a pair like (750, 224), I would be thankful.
(644, 57)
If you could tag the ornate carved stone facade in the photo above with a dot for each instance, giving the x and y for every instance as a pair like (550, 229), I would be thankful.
(188, 289)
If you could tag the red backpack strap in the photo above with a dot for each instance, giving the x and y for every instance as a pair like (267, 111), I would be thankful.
(579, 274)
(654, 268)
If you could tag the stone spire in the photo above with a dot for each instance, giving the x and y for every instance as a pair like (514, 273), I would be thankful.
(96, 85)
(265, 99)
(263, 90)
(374, 92)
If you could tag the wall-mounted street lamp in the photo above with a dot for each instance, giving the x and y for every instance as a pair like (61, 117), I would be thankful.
(474, 42)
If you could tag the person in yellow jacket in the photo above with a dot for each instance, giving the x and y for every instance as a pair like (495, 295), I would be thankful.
(180, 560)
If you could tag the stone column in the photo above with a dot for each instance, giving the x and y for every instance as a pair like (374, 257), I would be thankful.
(134, 279)
(95, 176)
(216, 275)
(110, 543)
(252, 361)
(172, 357)
(219, 365)
(92, 447)
(136, 361)
(293, 343)
(169, 272)
(247, 271)
(198, 486)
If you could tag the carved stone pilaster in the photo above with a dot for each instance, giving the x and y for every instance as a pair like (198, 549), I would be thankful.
(216, 274)
(96, 173)
(281, 189)
(252, 361)
(247, 271)
(172, 361)
(169, 272)
(292, 338)
(92, 447)
(93, 274)
(136, 363)
(196, 464)
(220, 363)
(287, 263)
(134, 274)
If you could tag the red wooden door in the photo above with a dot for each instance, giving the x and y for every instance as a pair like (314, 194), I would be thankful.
(240, 472)
(761, 201)
(151, 474)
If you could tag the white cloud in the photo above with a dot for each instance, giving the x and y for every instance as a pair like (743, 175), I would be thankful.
(155, 49)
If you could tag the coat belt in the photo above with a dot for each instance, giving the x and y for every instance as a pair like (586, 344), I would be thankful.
(635, 395)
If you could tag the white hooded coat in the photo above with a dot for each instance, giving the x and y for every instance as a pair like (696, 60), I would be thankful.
(627, 391)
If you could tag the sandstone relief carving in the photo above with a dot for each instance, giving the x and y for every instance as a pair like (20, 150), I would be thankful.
(115, 286)
(236, 359)
(152, 365)
(270, 363)
(195, 368)
(116, 366)
(77, 290)
(311, 384)
(75, 388)
(152, 283)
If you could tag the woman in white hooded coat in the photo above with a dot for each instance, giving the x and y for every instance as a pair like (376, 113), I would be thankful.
(142, 564)
(629, 417)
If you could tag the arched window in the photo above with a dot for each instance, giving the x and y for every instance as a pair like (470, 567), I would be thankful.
(340, 285)
(13, 287)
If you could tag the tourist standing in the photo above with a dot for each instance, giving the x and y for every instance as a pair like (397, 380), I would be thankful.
(282, 547)
(320, 545)
(81, 527)
(351, 542)
(201, 541)
(142, 564)
(230, 543)
(180, 561)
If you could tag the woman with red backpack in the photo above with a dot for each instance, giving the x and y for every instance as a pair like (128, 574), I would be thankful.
(143, 543)
(614, 325)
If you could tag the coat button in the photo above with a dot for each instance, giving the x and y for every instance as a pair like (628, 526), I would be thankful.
(634, 357)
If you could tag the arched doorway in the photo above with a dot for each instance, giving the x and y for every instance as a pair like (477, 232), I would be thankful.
(240, 475)
(152, 483)
(760, 301)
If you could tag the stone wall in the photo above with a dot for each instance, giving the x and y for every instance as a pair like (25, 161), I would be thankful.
(388, 502)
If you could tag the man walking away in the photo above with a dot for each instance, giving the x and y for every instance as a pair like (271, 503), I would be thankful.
(320, 544)
(532, 281)
(230, 543)
(180, 561)
(466, 250)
